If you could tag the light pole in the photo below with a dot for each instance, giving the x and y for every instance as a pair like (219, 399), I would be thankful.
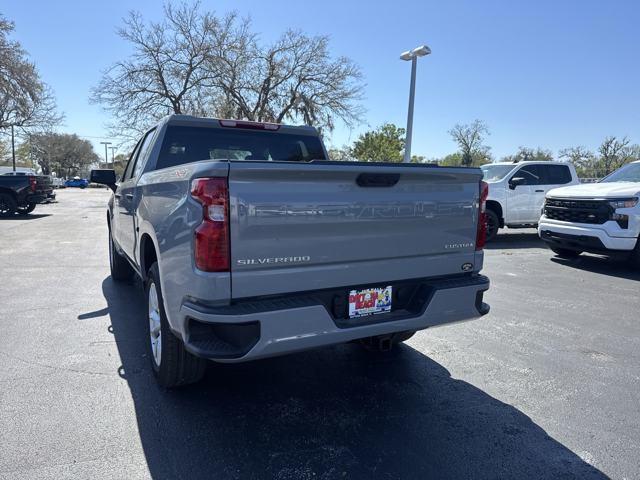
(412, 55)
(13, 149)
(106, 157)
(113, 162)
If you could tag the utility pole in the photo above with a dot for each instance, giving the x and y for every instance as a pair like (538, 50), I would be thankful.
(13, 148)
(106, 155)
(113, 162)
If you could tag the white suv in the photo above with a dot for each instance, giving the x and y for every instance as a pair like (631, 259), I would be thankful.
(599, 217)
(517, 191)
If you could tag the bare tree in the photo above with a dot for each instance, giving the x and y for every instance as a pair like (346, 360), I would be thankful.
(527, 154)
(470, 139)
(294, 79)
(577, 155)
(195, 62)
(614, 153)
(25, 101)
(166, 72)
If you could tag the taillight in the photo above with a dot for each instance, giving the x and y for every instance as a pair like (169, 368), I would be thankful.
(33, 183)
(211, 243)
(481, 236)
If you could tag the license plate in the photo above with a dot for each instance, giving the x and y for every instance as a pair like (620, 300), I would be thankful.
(369, 301)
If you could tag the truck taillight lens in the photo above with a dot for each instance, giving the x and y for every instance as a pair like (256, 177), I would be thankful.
(211, 243)
(481, 236)
(33, 183)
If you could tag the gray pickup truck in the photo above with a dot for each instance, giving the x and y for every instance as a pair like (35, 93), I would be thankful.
(252, 244)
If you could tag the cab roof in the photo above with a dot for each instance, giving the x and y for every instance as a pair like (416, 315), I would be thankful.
(530, 162)
(190, 120)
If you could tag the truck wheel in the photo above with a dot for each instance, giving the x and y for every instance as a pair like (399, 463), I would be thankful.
(635, 255)
(7, 205)
(565, 253)
(493, 224)
(26, 209)
(119, 266)
(384, 343)
(172, 365)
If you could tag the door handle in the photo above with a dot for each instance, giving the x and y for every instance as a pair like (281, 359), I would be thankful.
(377, 179)
(539, 191)
(129, 196)
(117, 195)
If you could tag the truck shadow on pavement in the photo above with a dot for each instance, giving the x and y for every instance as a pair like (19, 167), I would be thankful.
(612, 267)
(332, 413)
(515, 241)
(31, 216)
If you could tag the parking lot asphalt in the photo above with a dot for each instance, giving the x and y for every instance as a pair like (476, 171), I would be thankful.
(545, 386)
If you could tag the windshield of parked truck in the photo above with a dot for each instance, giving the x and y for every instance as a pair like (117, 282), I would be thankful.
(628, 173)
(191, 144)
(495, 173)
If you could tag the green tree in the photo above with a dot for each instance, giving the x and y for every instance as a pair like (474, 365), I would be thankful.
(119, 163)
(384, 144)
(456, 160)
(66, 155)
(451, 160)
(342, 154)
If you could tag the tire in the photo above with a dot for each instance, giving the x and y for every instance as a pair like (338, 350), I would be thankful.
(385, 343)
(172, 365)
(121, 271)
(565, 253)
(8, 205)
(493, 224)
(635, 256)
(26, 210)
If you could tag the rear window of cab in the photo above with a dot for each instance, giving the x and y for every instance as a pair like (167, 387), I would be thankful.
(182, 144)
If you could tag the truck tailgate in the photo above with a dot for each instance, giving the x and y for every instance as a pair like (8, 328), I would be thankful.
(308, 226)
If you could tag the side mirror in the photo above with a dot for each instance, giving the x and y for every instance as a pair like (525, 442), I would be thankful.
(105, 177)
(515, 181)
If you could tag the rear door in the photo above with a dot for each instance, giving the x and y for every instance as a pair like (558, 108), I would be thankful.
(118, 204)
(298, 227)
(130, 196)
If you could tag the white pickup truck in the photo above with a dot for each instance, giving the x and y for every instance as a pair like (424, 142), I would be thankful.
(517, 191)
(601, 217)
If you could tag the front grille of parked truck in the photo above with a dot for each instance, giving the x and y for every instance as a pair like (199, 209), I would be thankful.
(578, 211)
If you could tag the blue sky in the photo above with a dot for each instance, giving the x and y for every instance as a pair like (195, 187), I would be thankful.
(543, 73)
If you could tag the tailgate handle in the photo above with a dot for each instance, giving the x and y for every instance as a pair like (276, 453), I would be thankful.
(377, 179)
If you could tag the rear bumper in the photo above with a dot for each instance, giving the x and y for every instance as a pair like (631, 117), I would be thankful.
(266, 328)
(582, 237)
(39, 197)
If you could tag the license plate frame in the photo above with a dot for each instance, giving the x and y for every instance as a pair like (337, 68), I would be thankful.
(369, 301)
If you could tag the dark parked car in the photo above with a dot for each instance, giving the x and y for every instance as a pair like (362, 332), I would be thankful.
(21, 193)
